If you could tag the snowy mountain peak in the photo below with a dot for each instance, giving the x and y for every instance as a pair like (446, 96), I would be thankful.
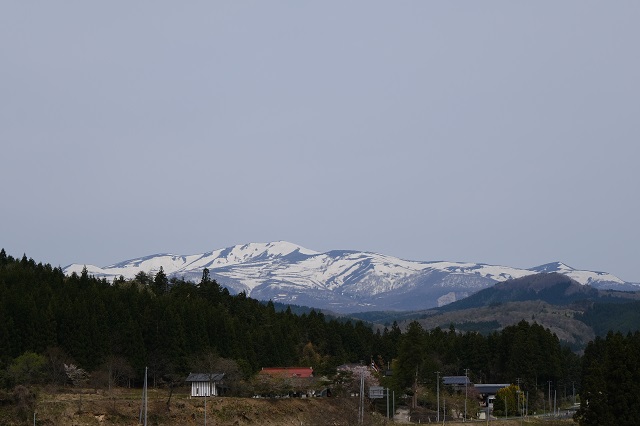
(553, 267)
(242, 253)
(341, 280)
(583, 277)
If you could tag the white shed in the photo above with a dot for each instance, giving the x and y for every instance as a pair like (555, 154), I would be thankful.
(205, 384)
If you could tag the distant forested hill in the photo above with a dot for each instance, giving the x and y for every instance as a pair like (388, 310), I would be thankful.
(552, 288)
(612, 316)
(575, 312)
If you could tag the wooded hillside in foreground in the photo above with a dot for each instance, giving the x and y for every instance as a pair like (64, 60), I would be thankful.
(47, 319)
(162, 324)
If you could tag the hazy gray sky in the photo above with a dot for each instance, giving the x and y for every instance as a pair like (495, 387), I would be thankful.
(497, 132)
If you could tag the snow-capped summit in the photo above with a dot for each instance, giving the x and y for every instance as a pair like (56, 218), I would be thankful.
(185, 265)
(597, 279)
(341, 280)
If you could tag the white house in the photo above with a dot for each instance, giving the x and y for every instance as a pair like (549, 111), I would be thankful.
(205, 384)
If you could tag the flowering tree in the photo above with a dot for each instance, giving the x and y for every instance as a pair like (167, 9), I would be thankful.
(76, 374)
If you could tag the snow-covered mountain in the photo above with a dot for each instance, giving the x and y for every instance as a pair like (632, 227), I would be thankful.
(342, 281)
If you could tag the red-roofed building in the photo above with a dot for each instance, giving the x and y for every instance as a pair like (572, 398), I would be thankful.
(290, 381)
(302, 372)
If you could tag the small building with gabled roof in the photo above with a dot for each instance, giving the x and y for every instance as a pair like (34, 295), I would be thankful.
(302, 372)
(488, 391)
(205, 384)
(456, 381)
(290, 381)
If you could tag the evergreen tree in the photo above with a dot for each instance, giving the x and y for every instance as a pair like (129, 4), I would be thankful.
(410, 364)
(161, 282)
(595, 407)
(142, 278)
(205, 276)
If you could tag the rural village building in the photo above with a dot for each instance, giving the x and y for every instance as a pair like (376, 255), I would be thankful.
(456, 382)
(302, 372)
(286, 381)
(205, 384)
(488, 392)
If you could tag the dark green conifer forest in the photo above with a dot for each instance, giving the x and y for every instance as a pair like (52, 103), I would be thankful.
(611, 381)
(47, 318)
(163, 324)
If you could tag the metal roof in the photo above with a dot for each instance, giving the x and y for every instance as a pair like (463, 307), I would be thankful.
(205, 377)
(288, 371)
(490, 388)
(455, 380)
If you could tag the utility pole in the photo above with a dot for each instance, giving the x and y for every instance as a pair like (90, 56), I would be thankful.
(444, 410)
(361, 408)
(414, 398)
(146, 396)
(438, 394)
(387, 403)
(518, 393)
(487, 410)
(506, 408)
(466, 382)
(550, 405)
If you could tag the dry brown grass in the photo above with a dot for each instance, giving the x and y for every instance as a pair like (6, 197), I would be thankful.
(84, 407)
